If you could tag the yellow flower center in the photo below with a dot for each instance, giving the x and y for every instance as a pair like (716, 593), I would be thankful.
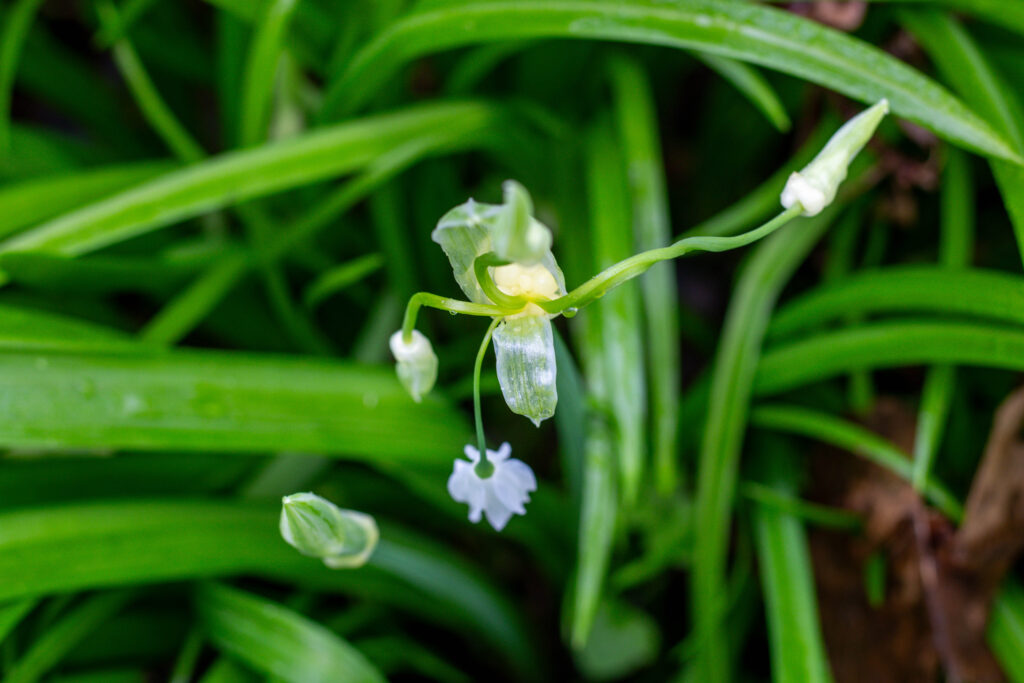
(532, 282)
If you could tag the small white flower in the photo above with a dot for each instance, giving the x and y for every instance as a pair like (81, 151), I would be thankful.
(500, 495)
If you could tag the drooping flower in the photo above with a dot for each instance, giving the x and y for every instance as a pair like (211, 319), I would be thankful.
(498, 496)
(416, 363)
(317, 527)
(528, 273)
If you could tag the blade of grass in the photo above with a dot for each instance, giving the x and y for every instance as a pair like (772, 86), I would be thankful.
(196, 401)
(32, 201)
(962, 64)
(277, 641)
(231, 178)
(748, 32)
(770, 267)
(854, 438)
(155, 110)
(638, 132)
(18, 20)
(621, 346)
(955, 249)
(752, 85)
(340, 277)
(100, 544)
(1006, 14)
(975, 293)
(797, 647)
(11, 614)
(184, 312)
(59, 638)
(889, 344)
(261, 70)
(1006, 623)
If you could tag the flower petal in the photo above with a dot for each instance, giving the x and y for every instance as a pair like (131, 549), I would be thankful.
(522, 474)
(525, 352)
(465, 233)
(506, 488)
(497, 513)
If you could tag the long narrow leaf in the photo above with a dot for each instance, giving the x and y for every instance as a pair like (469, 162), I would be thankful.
(748, 32)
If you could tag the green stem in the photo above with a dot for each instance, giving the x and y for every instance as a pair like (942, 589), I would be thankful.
(629, 268)
(484, 468)
(445, 304)
(500, 298)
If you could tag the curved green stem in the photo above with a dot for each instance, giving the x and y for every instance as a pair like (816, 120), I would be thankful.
(628, 269)
(445, 304)
(484, 468)
(500, 298)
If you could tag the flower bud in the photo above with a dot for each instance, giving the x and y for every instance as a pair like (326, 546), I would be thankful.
(416, 363)
(814, 187)
(525, 350)
(517, 236)
(317, 527)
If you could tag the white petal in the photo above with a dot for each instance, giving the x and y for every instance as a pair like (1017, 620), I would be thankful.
(500, 455)
(522, 473)
(497, 514)
(472, 453)
(460, 483)
(506, 488)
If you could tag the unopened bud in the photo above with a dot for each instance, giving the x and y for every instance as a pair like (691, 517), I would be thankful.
(416, 363)
(814, 187)
(317, 527)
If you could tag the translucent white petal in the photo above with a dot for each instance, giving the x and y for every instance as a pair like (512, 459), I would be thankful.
(462, 481)
(472, 453)
(465, 233)
(521, 473)
(500, 455)
(497, 514)
(525, 351)
(507, 489)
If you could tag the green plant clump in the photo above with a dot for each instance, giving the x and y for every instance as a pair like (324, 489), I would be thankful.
(751, 271)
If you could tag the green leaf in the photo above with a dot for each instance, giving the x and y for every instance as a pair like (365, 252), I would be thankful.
(621, 347)
(277, 641)
(192, 401)
(732, 383)
(47, 650)
(17, 22)
(31, 201)
(975, 293)
(797, 647)
(638, 131)
(261, 70)
(961, 62)
(752, 85)
(100, 544)
(236, 176)
(888, 344)
(743, 31)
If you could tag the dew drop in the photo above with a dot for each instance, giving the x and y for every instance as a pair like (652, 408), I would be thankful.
(132, 404)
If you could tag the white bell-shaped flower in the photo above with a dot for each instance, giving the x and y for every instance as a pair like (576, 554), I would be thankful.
(500, 495)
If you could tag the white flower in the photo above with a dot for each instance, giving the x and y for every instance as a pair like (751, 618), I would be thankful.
(500, 495)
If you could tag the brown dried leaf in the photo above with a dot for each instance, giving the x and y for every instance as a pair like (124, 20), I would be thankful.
(936, 607)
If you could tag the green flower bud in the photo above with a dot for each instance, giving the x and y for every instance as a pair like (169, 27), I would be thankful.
(525, 350)
(814, 187)
(317, 527)
(416, 363)
(517, 236)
